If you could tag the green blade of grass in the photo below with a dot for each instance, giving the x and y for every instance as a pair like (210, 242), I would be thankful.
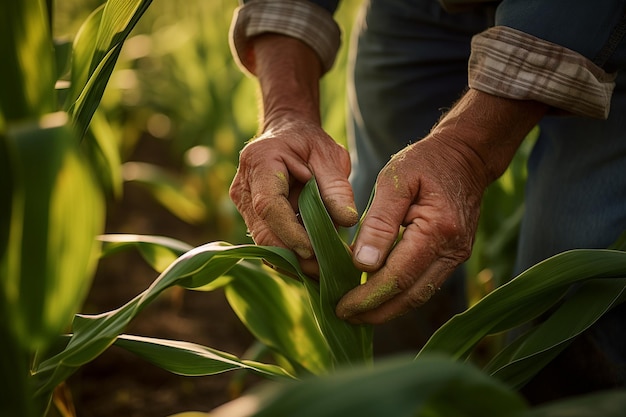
(349, 344)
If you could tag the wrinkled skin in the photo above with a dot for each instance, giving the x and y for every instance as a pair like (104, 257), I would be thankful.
(272, 171)
(434, 191)
(433, 188)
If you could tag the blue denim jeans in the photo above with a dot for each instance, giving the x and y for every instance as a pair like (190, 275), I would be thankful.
(409, 65)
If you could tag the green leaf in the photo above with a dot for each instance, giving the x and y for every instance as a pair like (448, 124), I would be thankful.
(196, 268)
(338, 275)
(28, 69)
(279, 314)
(6, 193)
(524, 298)
(517, 364)
(189, 359)
(96, 49)
(158, 251)
(399, 387)
(15, 397)
(102, 150)
(57, 211)
(82, 54)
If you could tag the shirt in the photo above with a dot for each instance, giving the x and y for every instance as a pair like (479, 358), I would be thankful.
(504, 61)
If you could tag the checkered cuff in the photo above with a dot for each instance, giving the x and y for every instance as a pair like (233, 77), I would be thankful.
(296, 18)
(508, 63)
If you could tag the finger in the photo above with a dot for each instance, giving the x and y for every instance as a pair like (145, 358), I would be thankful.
(338, 197)
(417, 295)
(411, 275)
(257, 228)
(269, 193)
(381, 224)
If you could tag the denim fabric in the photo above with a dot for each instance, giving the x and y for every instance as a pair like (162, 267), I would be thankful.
(409, 64)
(594, 29)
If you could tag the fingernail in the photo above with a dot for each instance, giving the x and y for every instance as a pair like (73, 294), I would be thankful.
(368, 255)
(304, 253)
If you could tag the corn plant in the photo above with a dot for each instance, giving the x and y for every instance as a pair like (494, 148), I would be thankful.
(52, 203)
(55, 161)
(294, 317)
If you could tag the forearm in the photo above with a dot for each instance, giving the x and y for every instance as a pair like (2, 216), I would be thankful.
(288, 71)
(490, 127)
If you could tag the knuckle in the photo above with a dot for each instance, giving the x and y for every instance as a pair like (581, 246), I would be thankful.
(421, 294)
(236, 190)
(263, 205)
(381, 227)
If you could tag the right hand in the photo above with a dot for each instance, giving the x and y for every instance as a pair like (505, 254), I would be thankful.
(274, 168)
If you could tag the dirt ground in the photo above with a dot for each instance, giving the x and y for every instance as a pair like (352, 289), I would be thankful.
(120, 384)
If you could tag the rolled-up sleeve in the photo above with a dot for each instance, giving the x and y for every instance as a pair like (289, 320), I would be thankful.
(562, 53)
(300, 19)
(512, 64)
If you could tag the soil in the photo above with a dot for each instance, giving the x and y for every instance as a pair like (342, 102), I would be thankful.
(118, 383)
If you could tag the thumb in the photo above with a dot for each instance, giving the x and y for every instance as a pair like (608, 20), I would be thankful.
(380, 227)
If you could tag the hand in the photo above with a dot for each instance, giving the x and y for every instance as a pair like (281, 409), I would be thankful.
(433, 188)
(272, 171)
(292, 148)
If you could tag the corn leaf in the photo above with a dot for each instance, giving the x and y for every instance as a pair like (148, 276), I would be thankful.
(399, 387)
(28, 68)
(516, 364)
(525, 298)
(6, 192)
(201, 266)
(158, 251)
(15, 397)
(102, 150)
(189, 359)
(96, 49)
(52, 251)
(196, 268)
(348, 343)
(279, 313)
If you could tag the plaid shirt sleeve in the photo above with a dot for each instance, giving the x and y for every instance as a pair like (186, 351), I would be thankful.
(303, 20)
(508, 63)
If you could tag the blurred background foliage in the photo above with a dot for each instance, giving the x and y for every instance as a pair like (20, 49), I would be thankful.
(176, 89)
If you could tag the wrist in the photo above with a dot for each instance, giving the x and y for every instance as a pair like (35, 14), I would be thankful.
(489, 127)
(288, 71)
